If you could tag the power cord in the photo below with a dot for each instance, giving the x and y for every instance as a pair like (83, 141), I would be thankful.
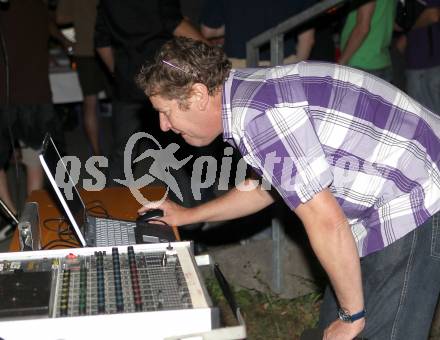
(65, 237)
(96, 208)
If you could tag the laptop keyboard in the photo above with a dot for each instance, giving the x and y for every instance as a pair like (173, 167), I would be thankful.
(114, 232)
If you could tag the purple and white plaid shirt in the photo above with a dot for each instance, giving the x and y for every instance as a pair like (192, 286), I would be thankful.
(308, 126)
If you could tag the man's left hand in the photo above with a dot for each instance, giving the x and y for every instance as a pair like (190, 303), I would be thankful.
(340, 330)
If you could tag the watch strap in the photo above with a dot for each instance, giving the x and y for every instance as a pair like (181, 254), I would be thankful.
(347, 317)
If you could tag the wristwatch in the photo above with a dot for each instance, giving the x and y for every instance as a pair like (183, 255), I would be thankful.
(347, 317)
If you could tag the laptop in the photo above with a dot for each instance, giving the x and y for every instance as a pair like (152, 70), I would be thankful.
(91, 231)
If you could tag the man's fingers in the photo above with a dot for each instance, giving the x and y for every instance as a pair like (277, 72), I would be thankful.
(152, 205)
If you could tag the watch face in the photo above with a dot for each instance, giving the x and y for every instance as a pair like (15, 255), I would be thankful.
(344, 315)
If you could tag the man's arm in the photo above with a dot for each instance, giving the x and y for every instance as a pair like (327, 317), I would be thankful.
(234, 204)
(429, 16)
(106, 54)
(215, 36)
(55, 32)
(175, 23)
(211, 33)
(212, 21)
(360, 31)
(102, 39)
(333, 243)
(306, 40)
(186, 29)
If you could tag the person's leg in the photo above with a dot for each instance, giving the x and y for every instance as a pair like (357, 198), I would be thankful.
(421, 284)
(34, 122)
(433, 84)
(35, 178)
(126, 121)
(34, 171)
(7, 121)
(5, 195)
(401, 286)
(91, 79)
(91, 125)
(6, 230)
(416, 86)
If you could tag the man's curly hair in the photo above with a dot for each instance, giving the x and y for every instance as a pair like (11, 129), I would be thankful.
(191, 62)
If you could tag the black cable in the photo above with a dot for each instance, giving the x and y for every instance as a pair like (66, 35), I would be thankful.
(46, 226)
(62, 230)
(59, 243)
(97, 204)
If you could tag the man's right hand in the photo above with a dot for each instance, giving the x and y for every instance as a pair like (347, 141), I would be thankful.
(173, 213)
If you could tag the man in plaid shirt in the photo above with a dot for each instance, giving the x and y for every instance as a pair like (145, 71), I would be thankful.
(355, 159)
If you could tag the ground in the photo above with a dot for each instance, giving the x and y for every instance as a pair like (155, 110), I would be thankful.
(270, 317)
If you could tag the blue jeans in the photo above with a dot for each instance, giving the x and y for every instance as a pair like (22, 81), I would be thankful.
(424, 86)
(401, 286)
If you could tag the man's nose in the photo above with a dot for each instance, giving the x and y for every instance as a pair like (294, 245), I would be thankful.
(164, 123)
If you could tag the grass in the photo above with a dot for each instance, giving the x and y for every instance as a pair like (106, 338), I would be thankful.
(266, 315)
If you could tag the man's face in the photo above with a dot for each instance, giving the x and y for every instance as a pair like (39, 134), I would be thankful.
(197, 126)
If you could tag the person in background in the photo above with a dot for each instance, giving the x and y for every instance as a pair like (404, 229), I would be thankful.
(421, 45)
(26, 110)
(237, 22)
(191, 9)
(366, 37)
(82, 13)
(127, 34)
(356, 159)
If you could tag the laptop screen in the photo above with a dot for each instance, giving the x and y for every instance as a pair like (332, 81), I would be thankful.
(74, 207)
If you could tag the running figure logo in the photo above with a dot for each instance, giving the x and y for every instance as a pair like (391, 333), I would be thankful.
(163, 160)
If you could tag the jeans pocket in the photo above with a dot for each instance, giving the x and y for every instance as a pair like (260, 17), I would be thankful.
(435, 236)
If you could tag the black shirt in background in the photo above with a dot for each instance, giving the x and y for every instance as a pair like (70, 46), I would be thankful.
(135, 29)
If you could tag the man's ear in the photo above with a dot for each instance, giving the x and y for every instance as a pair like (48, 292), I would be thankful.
(200, 96)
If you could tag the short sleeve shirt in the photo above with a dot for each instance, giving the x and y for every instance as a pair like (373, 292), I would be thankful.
(309, 126)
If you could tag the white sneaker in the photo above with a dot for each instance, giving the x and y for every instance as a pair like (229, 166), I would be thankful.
(6, 232)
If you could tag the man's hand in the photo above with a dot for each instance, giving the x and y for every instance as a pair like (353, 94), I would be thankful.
(340, 330)
(173, 213)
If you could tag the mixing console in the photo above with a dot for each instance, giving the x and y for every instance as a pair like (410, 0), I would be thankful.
(65, 292)
(116, 283)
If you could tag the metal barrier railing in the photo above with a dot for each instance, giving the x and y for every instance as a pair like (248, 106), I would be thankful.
(275, 35)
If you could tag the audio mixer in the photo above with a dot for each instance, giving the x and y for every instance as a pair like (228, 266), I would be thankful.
(149, 291)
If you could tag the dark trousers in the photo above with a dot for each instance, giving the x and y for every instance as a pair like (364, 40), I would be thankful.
(127, 119)
(401, 286)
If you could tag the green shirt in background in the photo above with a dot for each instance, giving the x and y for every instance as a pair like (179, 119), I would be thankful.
(374, 52)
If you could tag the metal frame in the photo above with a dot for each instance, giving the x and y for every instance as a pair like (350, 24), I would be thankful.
(275, 35)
